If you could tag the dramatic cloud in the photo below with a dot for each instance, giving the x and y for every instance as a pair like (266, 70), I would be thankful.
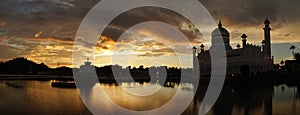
(139, 15)
(44, 30)
(2, 23)
(247, 17)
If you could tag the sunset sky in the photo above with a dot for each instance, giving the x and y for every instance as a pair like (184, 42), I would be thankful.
(44, 30)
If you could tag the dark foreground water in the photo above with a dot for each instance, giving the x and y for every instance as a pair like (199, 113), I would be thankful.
(38, 97)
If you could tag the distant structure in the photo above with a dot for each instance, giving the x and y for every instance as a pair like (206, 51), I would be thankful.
(86, 77)
(87, 68)
(246, 59)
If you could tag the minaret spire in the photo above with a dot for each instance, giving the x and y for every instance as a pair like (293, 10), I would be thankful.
(267, 22)
(220, 23)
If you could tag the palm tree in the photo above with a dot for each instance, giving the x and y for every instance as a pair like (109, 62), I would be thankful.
(292, 48)
(297, 56)
(281, 66)
(238, 46)
(281, 62)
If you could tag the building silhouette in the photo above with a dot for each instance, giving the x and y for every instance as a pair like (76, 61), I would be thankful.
(246, 59)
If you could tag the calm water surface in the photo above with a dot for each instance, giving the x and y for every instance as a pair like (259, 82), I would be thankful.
(38, 97)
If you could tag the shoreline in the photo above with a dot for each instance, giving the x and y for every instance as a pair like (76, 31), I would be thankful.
(258, 79)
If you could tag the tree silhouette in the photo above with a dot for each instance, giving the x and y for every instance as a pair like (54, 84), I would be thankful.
(238, 46)
(297, 56)
(22, 66)
(292, 48)
(281, 62)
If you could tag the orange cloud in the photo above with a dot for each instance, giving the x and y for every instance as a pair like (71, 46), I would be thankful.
(2, 23)
(105, 43)
(1, 39)
(50, 39)
(106, 38)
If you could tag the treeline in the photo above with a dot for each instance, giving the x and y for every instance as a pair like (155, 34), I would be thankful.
(24, 66)
(141, 72)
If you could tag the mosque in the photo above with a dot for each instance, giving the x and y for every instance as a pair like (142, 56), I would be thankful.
(248, 58)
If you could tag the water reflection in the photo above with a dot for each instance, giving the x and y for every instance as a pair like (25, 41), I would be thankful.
(252, 100)
(37, 97)
(244, 100)
(125, 100)
(287, 99)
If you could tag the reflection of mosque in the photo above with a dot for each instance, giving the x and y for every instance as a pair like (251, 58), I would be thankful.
(246, 59)
(241, 99)
(86, 77)
(247, 98)
(87, 68)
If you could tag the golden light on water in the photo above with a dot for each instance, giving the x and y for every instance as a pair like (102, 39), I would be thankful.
(138, 103)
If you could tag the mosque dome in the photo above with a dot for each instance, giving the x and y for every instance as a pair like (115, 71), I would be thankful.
(220, 30)
(222, 33)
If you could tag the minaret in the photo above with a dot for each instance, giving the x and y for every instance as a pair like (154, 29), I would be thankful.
(194, 58)
(263, 45)
(244, 39)
(267, 46)
(202, 48)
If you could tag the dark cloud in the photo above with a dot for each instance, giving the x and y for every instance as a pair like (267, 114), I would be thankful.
(252, 12)
(61, 18)
(56, 22)
(55, 18)
(2, 23)
(286, 35)
(138, 15)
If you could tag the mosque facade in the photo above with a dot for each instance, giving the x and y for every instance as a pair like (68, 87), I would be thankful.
(246, 58)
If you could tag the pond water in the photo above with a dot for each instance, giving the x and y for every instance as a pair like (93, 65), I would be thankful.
(38, 97)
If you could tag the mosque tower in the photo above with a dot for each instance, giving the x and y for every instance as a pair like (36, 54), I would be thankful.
(267, 40)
